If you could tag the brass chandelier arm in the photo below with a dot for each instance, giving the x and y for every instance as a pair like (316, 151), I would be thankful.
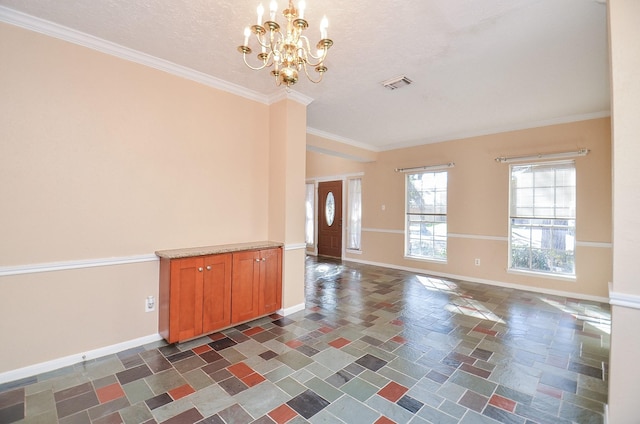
(265, 63)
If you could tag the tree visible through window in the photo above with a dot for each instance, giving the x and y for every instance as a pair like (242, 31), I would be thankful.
(543, 218)
(426, 210)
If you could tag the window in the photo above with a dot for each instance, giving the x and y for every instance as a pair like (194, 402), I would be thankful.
(309, 204)
(426, 209)
(543, 218)
(355, 214)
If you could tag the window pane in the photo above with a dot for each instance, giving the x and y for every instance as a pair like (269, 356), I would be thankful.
(309, 214)
(355, 214)
(426, 208)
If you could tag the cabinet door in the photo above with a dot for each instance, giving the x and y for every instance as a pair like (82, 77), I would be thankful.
(216, 306)
(186, 299)
(270, 280)
(245, 286)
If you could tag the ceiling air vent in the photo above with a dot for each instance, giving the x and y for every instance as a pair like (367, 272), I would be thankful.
(396, 82)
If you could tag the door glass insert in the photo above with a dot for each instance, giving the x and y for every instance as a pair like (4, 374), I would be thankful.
(330, 209)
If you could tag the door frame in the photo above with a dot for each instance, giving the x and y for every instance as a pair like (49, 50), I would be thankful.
(313, 250)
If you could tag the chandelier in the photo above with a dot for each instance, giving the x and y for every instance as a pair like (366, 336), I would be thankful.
(287, 50)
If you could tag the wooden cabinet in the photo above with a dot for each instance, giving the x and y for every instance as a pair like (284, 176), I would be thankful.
(203, 294)
(256, 288)
(195, 296)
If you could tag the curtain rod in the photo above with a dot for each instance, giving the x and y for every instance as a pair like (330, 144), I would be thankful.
(559, 155)
(427, 167)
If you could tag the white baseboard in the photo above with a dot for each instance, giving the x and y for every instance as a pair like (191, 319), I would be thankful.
(291, 310)
(54, 364)
(484, 281)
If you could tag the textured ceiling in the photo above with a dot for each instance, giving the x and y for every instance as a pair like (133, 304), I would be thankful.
(478, 66)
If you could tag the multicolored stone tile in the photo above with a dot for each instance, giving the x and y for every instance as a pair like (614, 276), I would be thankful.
(374, 345)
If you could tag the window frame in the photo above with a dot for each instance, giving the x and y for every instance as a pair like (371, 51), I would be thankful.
(437, 219)
(551, 226)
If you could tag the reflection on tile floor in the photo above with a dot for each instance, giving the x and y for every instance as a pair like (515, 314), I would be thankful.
(374, 345)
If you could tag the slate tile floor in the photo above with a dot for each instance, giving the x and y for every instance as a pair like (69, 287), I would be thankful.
(374, 345)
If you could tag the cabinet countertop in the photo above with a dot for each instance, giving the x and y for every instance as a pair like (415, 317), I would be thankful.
(217, 249)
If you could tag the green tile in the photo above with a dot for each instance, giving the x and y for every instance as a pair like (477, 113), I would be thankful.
(324, 389)
(374, 378)
(291, 386)
(359, 389)
(294, 359)
(135, 414)
(350, 410)
(137, 391)
(165, 381)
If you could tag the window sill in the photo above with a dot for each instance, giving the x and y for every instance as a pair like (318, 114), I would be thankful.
(431, 260)
(561, 277)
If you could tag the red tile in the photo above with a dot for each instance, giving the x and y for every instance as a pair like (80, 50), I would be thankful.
(315, 308)
(393, 391)
(240, 370)
(275, 316)
(216, 336)
(548, 390)
(384, 420)
(253, 379)
(399, 339)
(325, 330)
(294, 343)
(475, 370)
(397, 322)
(201, 349)
(282, 414)
(252, 331)
(109, 393)
(340, 342)
(485, 331)
(181, 392)
(503, 403)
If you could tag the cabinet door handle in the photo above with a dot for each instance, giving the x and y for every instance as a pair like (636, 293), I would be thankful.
(257, 259)
(208, 267)
(200, 269)
(264, 259)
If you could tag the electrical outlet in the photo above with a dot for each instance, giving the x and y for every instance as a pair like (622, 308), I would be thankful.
(477, 261)
(150, 304)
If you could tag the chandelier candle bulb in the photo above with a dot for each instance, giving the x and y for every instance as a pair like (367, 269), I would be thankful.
(247, 33)
(273, 9)
(301, 7)
(260, 14)
(323, 27)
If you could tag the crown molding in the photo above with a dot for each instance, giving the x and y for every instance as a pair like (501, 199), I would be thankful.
(497, 130)
(64, 33)
(343, 140)
(289, 95)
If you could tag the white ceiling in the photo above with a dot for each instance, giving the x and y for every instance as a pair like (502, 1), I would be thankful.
(478, 66)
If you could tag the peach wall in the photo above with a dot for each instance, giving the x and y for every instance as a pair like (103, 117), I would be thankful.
(322, 165)
(478, 204)
(287, 194)
(624, 39)
(99, 158)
